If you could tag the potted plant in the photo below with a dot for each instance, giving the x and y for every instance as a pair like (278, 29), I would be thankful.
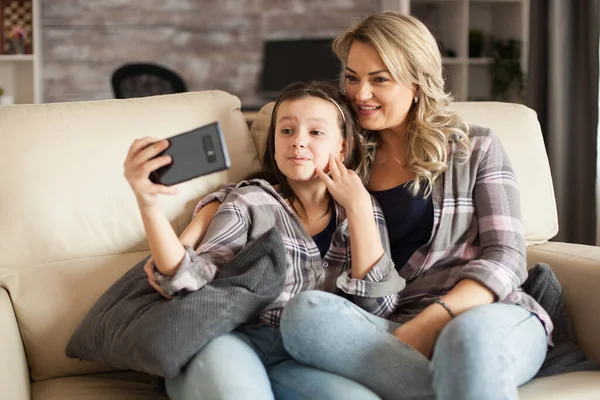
(5, 98)
(507, 76)
(476, 43)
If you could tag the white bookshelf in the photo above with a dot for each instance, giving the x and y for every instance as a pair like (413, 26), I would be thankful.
(20, 73)
(468, 78)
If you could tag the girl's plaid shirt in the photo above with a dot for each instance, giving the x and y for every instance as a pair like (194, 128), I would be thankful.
(250, 209)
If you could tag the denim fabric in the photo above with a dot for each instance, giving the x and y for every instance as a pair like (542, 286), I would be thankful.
(483, 354)
(251, 364)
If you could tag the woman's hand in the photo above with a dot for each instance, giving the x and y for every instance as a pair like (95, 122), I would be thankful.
(345, 186)
(138, 165)
(422, 331)
(420, 338)
(150, 272)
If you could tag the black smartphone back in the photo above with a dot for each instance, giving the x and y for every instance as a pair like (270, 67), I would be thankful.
(198, 152)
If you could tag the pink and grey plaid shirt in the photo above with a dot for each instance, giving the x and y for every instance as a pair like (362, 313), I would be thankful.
(477, 234)
(250, 209)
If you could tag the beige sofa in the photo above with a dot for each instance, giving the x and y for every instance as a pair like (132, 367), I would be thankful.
(70, 227)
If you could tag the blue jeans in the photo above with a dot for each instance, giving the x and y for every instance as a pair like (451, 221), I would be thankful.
(482, 354)
(251, 363)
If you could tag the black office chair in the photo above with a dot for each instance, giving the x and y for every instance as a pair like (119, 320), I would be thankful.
(144, 79)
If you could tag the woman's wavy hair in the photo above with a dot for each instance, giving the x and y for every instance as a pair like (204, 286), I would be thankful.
(412, 56)
(355, 154)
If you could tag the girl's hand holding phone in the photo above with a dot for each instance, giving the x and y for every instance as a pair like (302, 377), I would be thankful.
(138, 165)
(345, 186)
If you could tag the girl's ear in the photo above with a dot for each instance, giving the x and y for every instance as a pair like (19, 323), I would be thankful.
(344, 150)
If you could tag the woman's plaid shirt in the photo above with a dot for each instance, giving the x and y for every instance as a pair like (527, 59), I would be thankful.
(477, 234)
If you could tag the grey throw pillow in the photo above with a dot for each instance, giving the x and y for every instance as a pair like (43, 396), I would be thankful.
(131, 326)
(566, 356)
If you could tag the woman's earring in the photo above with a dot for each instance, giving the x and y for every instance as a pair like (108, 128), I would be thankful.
(416, 99)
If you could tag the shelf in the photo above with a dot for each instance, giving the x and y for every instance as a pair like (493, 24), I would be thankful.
(16, 57)
(451, 22)
(496, 1)
(480, 61)
(434, 1)
(452, 60)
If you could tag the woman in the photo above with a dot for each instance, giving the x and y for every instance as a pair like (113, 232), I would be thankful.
(321, 217)
(462, 329)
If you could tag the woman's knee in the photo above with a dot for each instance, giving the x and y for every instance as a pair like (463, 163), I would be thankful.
(480, 332)
(469, 332)
(488, 349)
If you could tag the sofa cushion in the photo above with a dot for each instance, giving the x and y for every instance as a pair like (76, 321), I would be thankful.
(69, 222)
(571, 386)
(133, 327)
(113, 386)
(259, 128)
(520, 133)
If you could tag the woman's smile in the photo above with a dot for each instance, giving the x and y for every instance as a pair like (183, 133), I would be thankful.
(365, 110)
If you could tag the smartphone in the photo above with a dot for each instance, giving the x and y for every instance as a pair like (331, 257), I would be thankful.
(198, 152)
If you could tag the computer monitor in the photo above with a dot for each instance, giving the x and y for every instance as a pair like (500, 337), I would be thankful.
(287, 61)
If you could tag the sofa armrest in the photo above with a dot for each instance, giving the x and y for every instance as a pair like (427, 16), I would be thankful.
(578, 270)
(14, 374)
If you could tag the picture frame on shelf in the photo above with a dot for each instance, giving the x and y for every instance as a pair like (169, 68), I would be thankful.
(16, 27)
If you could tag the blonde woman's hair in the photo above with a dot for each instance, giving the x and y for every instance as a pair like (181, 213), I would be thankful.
(411, 54)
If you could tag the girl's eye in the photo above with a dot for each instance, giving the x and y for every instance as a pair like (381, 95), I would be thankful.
(286, 131)
(351, 78)
(316, 133)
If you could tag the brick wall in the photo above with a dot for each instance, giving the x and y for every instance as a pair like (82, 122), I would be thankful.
(212, 44)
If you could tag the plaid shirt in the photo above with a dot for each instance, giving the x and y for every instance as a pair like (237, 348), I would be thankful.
(252, 208)
(477, 234)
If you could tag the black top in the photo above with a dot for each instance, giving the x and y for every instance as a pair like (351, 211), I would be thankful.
(409, 221)
(323, 238)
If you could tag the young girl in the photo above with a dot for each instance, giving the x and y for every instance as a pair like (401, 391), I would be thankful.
(323, 212)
